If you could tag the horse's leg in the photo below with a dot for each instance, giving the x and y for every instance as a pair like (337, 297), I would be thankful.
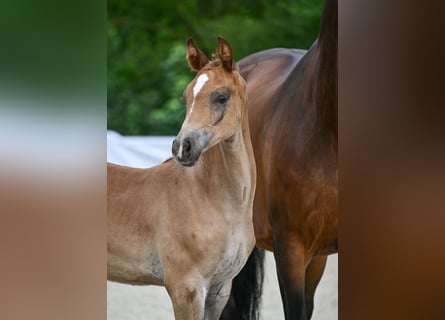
(216, 300)
(290, 259)
(188, 295)
(314, 271)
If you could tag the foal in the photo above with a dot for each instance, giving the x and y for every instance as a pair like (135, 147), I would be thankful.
(187, 224)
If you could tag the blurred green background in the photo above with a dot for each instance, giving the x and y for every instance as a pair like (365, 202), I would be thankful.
(146, 66)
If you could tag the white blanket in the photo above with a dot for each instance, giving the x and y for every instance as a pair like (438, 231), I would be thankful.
(138, 151)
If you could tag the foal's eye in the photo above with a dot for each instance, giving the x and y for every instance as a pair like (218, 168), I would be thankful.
(221, 99)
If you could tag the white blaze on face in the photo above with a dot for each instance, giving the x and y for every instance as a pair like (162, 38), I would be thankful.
(200, 82)
(180, 151)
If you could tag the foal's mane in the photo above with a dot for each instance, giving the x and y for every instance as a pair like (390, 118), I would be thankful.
(215, 62)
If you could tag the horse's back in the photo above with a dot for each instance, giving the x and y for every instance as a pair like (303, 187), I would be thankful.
(266, 70)
(127, 186)
(141, 194)
(271, 63)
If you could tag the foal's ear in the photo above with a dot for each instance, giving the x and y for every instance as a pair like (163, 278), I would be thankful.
(225, 54)
(195, 57)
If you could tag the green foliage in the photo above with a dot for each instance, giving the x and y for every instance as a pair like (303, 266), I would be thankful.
(147, 70)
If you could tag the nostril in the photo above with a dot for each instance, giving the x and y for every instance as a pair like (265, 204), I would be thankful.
(186, 145)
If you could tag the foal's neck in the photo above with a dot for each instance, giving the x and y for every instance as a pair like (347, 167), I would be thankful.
(231, 162)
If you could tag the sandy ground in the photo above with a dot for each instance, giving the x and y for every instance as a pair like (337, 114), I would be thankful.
(126, 302)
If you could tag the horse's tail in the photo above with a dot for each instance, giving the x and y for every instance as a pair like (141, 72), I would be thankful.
(247, 288)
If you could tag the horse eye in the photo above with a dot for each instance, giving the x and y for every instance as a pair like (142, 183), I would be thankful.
(221, 99)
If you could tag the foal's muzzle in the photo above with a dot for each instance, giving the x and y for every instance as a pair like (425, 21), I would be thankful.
(186, 150)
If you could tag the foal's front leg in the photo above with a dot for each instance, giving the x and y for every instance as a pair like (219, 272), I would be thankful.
(188, 295)
(216, 300)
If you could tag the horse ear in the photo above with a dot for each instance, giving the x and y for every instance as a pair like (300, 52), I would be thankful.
(195, 57)
(225, 54)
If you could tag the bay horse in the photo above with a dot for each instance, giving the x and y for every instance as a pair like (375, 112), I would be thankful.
(293, 123)
(187, 224)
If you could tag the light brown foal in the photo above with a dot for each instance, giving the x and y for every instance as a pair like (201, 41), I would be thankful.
(187, 224)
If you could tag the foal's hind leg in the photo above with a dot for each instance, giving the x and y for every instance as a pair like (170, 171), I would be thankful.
(314, 271)
(216, 300)
(188, 295)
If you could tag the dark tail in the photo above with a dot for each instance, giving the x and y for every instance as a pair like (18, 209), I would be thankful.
(247, 288)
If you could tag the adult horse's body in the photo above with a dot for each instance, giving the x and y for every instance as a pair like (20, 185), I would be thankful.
(187, 224)
(293, 123)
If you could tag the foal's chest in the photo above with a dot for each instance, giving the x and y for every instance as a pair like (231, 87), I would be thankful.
(229, 258)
